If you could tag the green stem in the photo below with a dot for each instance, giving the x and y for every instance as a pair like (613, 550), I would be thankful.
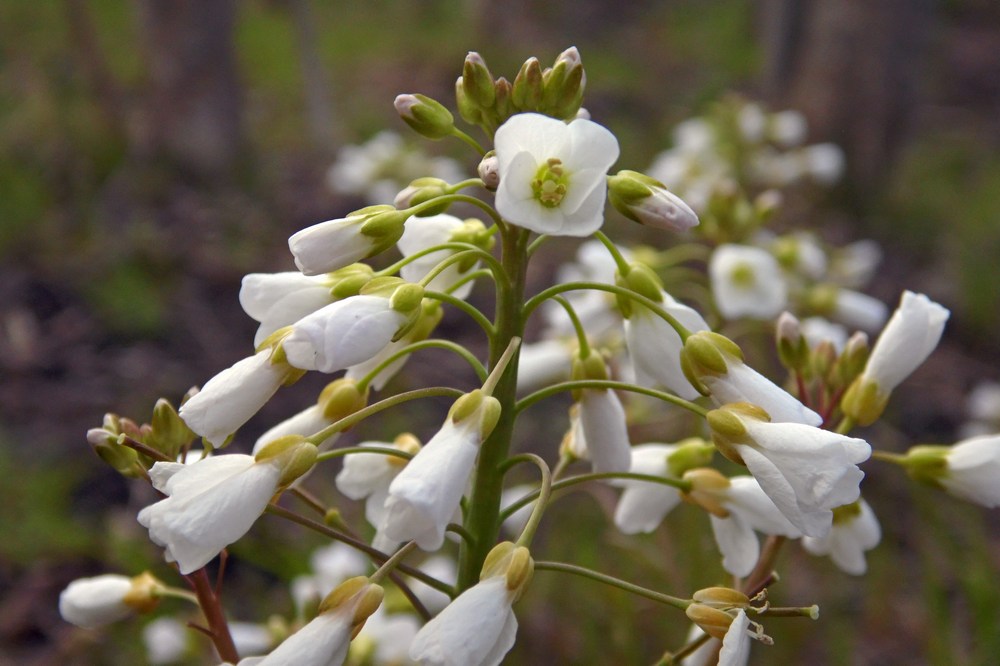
(659, 597)
(581, 334)
(561, 387)
(177, 593)
(351, 450)
(468, 309)
(425, 344)
(679, 484)
(482, 519)
(390, 564)
(460, 249)
(616, 254)
(362, 414)
(528, 533)
(895, 458)
(468, 140)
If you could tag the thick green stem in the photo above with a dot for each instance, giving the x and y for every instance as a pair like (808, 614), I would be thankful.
(482, 519)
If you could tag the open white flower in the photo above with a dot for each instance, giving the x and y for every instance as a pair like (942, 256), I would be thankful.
(855, 530)
(476, 629)
(655, 347)
(973, 470)
(747, 282)
(423, 498)
(343, 333)
(230, 398)
(643, 505)
(422, 233)
(807, 472)
(213, 502)
(277, 300)
(552, 174)
(93, 602)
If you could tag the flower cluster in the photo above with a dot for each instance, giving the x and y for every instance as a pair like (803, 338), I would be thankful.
(633, 337)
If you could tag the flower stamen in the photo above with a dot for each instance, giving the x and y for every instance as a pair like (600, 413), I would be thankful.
(549, 185)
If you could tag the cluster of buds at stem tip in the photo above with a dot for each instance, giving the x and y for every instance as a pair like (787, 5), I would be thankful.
(823, 362)
(648, 201)
(714, 609)
(166, 434)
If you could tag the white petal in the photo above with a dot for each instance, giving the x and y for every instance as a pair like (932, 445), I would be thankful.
(365, 473)
(306, 423)
(259, 292)
(655, 347)
(92, 602)
(322, 642)
(974, 470)
(747, 282)
(329, 246)
(737, 543)
(602, 418)
(907, 340)
(744, 384)
(736, 645)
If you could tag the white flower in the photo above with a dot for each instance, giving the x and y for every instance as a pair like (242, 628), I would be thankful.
(92, 602)
(736, 644)
(603, 429)
(343, 333)
(747, 282)
(824, 162)
(476, 629)
(230, 398)
(210, 504)
(277, 300)
(422, 233)
(973, 472)
(752, 121)
(552, 174)
(807, 472)
(368, 476)
(912, 333)
(423, 498)
(643, 505)
(855, 530)
(788, 128)
(983, 403)
(750, 510)
(853, 265)
(330, 245)
(859, 311)
(655, 347)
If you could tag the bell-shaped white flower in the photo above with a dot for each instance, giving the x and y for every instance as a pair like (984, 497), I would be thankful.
(973, 470)
(717, 362)
(331, 245)
(230, 398)
(324, 641)
(643, 505)
(602, 420)
(807, 472)
(428, 319)
(213, 502)
(277, 300)
(552, 174)
(343, 333)
(655, 347)
(423, 233)
(367, 475)
(93, 602)
(855, 530)
(747, 282)
(423, 498)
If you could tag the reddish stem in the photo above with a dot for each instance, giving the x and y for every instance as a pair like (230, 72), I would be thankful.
(210, 606)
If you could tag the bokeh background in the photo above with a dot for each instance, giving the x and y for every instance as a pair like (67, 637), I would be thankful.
(154, 151)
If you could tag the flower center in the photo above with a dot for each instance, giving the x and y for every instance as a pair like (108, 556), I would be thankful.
(742, 275)
(549, 185)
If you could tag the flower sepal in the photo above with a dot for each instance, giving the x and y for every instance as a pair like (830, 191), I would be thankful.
(292, 454)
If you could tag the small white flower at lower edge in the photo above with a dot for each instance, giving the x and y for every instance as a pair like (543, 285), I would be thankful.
(93, 602)
(422, 233)
(643, 505)
(655, 347)
(329, 246)
(343, 333)
(552, 174)
(855, 530)
(277, 300)
(230, 398)
(424, 497)
(747, 282)
(215, 501)
(807, 472)
(973, 470)
(324, 641)
(750, 510)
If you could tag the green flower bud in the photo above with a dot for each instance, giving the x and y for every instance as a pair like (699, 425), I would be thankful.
(168, 433)
(863, 402)
(503, 107)
(341, 398)
(527, 91)
(853, 359)
(793, 349)
(384, 228)
(426, 116)
(927, 464)
(292, 453)
(421, 191)
(641, 279)
(467, 109)
(477, 404)
(349, 280)
(691, 453)
(407, 298)
(477, 81)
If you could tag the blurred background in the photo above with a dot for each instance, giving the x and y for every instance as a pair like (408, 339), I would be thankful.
(152, 152)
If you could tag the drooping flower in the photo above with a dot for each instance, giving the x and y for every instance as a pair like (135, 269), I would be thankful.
(807, 472)
(643, 505)
(855, 530)
(600, 428)
(552, 174)
(93, 602)
(331, 245)
(277, 300)
(716, 364)
(213, 502)
(230, 398)
(350, 331)
(912, 333)
(968, 470)
(423, 498)
(478, 628)
(423, 233)
(648, 201)
(747, 282)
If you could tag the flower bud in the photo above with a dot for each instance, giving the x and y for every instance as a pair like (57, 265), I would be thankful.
(793, 349)
(349, 280)
(527, 91)
(342, 398)
(421, 191)
(503, 107)
(169, 434)
(489, 171)
(690, 453)
(563, 85)
(467, 109)
(512, 561)
(853, 359)
(292, 453)
(641, 279)
(477, 81)
(864, 402)
(92, 602)
(105, 442)
(426, 116)
(647, 201)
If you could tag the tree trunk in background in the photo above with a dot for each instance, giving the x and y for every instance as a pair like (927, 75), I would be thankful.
(323, 126)
(854, 68)
(194, 103)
